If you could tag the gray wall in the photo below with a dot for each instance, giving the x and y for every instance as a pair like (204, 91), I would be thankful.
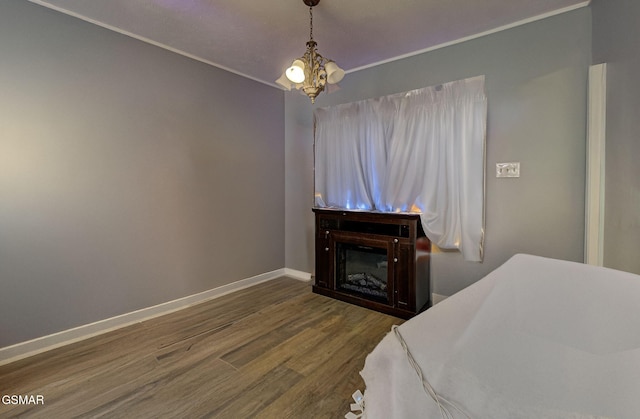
(129, 175)
(536, 80)
(615, 41)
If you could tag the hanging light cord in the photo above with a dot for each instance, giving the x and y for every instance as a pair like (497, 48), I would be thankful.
(440, 401)
(311, 23)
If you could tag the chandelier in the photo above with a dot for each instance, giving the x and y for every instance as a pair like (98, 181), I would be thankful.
(311, 71)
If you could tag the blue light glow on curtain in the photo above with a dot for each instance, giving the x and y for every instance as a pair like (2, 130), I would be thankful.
(421, 151)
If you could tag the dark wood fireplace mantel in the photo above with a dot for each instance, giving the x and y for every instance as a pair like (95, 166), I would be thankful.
(375, 260)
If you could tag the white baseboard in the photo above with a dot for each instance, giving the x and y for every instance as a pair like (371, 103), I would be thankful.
(35, 346)
(299, 275)
(436, 298)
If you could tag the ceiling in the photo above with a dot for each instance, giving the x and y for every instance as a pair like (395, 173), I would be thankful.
(259, 39)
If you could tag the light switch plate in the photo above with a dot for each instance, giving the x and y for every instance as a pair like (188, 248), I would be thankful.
(508, 169)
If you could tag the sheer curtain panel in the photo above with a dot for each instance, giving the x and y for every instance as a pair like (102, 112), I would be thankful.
(421, 151)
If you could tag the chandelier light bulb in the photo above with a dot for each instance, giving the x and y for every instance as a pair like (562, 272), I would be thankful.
(284, 82)
(334, 73)
(295, 73)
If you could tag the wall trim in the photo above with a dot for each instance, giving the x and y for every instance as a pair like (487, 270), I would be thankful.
(148, 41)
(436, 298)
(595, 176)
(272, 84)
(299, 275)
(475, 36)
(45, 343)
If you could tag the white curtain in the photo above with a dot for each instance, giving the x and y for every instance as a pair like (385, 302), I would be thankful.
(421, 151)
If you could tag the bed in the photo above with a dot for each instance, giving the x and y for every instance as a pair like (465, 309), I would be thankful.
(536, 338)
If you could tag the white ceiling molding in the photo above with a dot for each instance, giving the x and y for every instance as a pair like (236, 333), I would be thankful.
(257, 40)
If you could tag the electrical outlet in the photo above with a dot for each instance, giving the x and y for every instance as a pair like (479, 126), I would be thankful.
(508, 169)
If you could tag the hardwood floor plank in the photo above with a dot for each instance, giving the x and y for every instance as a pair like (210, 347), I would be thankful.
(274, 350)
(260, 393)
(168, 392)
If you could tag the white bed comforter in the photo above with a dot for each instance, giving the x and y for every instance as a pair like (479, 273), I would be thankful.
(536, 338)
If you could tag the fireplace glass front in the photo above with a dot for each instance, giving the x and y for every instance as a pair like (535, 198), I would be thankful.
(362, 270)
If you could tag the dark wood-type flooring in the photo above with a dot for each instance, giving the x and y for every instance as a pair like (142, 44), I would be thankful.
(274, 350)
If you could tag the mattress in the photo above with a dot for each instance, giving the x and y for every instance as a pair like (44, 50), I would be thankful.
(536, 338)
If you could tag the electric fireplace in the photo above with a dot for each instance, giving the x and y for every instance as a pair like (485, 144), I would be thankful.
(362, 270)
(376, 260)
